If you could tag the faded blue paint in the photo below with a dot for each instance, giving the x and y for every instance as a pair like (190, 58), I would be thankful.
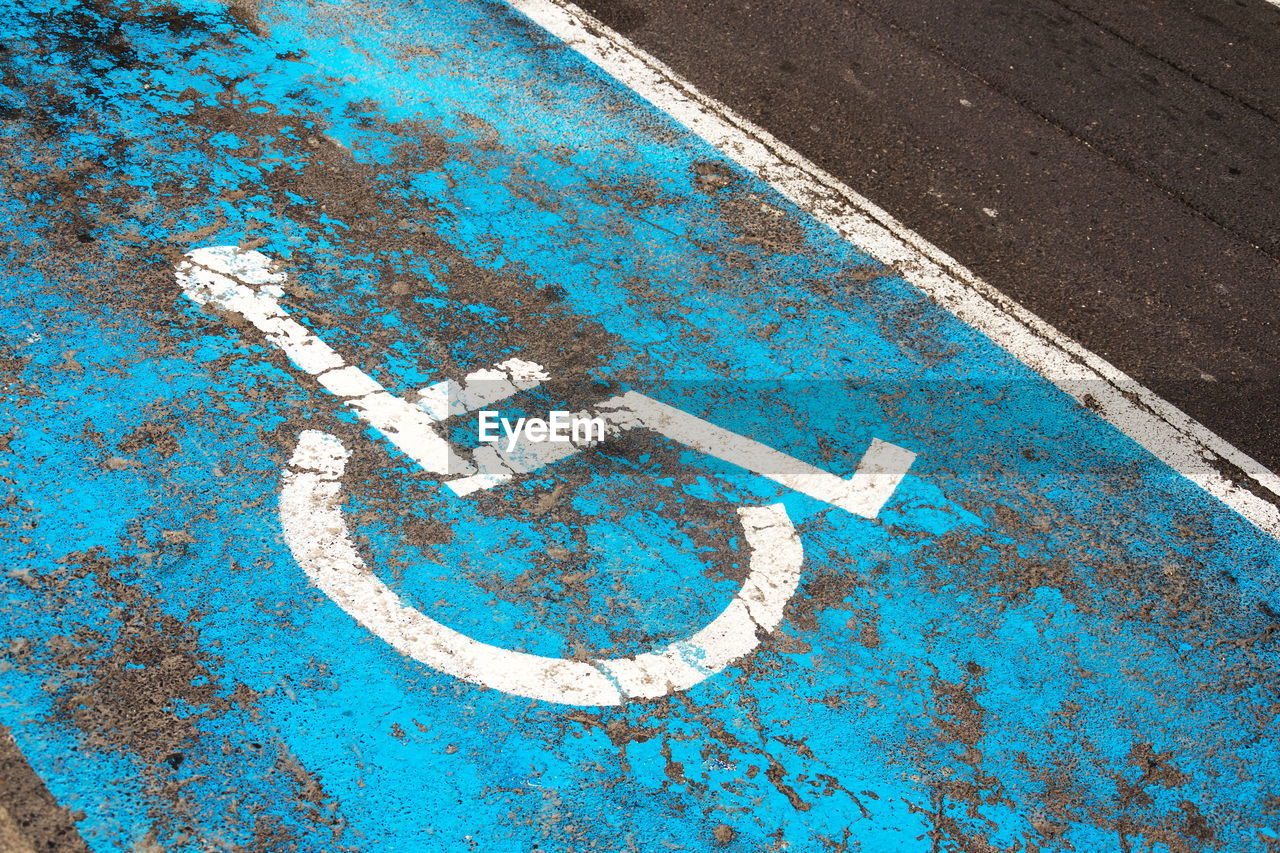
(549, 172)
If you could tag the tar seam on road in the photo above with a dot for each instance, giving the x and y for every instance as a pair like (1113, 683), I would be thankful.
(1172, 436)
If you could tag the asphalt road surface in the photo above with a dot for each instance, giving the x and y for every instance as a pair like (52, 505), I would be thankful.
(852, 552)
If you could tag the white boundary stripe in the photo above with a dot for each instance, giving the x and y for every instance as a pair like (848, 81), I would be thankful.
(316, 533)
(1165, 431)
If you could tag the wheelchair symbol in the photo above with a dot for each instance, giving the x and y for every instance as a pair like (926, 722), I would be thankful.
(242, 283)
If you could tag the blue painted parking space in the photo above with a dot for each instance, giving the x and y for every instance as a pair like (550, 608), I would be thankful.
(840, 574)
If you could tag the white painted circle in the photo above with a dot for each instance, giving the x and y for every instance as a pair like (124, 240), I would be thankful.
(317, 534)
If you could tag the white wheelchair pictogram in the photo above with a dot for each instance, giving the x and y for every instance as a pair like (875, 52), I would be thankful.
(243, 283)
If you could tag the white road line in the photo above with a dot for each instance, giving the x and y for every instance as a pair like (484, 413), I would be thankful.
(1168, 433)
(317, 534)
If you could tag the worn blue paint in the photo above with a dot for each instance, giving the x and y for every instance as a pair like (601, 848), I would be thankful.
(1009, 627)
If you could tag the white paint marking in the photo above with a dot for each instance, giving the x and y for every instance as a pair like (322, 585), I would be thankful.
(1166, 432)
(481, 388)
(242, 282)
(878, 474)
(311, 515)
(348, 382)
(317, 534)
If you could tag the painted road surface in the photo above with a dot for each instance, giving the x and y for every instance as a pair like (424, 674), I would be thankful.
(842, 575)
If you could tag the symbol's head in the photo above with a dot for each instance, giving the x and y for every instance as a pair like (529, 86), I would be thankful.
(207, 273)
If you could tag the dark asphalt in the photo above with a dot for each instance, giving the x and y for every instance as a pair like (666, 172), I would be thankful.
(30, 820)
(1113, 167)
